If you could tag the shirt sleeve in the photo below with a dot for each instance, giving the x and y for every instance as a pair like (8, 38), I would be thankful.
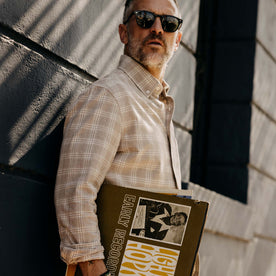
(91, 139)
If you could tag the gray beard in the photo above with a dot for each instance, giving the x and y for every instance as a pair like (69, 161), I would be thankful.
(151, 60)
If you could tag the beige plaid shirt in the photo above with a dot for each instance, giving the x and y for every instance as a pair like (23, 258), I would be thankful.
(119, 131)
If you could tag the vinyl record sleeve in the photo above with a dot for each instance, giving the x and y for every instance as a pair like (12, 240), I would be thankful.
(147, 233)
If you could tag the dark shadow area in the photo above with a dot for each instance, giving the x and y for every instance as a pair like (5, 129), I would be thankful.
(224, 86)
(29, 238)
(36, 89)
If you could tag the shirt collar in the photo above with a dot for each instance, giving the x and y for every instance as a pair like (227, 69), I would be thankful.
(143, 79)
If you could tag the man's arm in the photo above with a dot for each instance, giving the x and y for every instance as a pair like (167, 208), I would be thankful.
(88, 268)
(91, 138)
(93, 268)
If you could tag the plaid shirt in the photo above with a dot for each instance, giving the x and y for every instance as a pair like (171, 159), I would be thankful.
(119, 131)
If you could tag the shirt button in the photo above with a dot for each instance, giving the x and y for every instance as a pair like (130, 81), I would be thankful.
(148, 92)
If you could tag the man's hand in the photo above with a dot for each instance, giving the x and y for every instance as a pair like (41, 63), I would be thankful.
(93, 268)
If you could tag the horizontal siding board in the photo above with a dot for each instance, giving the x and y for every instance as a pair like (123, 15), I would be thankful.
(226, 216)
(182, 82)
(267, 25)
(262, 145)
(264, 93)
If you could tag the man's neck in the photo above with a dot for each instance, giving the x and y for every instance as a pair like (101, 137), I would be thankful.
(158, 73)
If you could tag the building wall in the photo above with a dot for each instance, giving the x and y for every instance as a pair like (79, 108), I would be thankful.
(50, 52)
(262, 189)
(240, 238)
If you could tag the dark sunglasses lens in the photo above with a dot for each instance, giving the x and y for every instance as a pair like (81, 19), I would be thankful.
(170, 23)
(145, 19)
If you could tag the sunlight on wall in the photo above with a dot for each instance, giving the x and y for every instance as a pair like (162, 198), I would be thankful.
(54, 22)
(103, 31)
(189, 13)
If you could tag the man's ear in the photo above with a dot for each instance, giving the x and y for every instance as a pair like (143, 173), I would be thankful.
(123, 33)
(177, 41)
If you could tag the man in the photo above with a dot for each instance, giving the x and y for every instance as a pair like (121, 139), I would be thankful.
(119, 131)
(158, 227)
(159, 220)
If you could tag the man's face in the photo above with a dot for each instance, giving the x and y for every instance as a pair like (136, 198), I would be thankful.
(151, 47)
(177, 219)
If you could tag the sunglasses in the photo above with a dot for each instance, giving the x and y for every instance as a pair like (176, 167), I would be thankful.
(145, 20)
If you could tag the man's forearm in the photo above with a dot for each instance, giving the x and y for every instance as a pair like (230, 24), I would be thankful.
(93, 268)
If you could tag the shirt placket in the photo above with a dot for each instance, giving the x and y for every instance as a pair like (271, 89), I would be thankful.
(172, 140)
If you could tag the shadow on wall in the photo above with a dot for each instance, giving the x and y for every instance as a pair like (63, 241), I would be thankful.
(50, 52)
(76, 30)
(34, 95)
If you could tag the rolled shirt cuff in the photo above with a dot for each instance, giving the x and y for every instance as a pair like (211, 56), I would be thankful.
(72, 254)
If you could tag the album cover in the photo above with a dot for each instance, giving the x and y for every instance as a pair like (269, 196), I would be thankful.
(148, 233)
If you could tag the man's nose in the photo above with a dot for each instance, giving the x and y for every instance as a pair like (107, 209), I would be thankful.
(157, 26)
